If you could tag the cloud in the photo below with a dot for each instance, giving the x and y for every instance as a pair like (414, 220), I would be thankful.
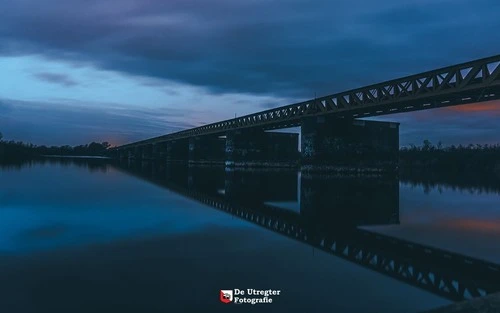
(287, 48)
(55, 78)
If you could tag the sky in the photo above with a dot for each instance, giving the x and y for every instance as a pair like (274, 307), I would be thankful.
(72, 72)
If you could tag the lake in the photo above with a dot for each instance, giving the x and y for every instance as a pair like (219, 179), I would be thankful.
(98, 236)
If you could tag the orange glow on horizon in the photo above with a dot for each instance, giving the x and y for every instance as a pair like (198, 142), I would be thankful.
(488, 226)
(490, 106)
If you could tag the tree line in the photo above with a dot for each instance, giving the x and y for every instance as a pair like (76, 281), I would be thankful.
(18, 149)
(482, 159)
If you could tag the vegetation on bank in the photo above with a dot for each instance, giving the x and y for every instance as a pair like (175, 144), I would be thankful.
(481, 159)
(21, 150)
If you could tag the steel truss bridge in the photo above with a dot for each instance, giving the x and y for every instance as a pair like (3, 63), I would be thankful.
(450, 275)
(470, 82)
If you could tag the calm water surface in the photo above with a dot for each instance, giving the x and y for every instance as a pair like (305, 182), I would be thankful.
(94, 237)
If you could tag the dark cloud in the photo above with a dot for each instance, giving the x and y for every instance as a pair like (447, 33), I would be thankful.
(60, 79)
(286, 48)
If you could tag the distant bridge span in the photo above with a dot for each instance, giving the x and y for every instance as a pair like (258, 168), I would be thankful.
(470, 82)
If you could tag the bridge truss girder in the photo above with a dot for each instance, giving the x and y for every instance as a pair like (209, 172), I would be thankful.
(470, 82)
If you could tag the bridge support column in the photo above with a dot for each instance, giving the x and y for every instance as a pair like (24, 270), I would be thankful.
(255, 147)
(177, 150)
(160, 151)
(147, 152)
(349, 145)
(137, 153)
(206, 150)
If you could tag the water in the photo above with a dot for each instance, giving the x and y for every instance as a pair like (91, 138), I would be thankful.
(87, 236)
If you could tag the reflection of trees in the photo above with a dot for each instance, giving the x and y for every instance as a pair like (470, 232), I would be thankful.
(437, 181)
(92, 165)
(473, 168)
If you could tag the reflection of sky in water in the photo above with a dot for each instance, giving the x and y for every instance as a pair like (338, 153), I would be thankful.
(51, 206)
(127, 220)
(456, 220)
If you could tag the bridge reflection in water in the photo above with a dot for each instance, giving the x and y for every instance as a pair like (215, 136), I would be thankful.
(328, 214)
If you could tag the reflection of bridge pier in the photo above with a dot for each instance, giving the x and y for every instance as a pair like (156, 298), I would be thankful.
(441, 272)
(206, 179)
(261, 186)
(349, 201)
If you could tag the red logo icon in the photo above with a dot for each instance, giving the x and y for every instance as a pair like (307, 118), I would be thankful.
(226, 296)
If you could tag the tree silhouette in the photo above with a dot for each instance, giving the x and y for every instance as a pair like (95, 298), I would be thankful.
(480, 159)
(21, 150)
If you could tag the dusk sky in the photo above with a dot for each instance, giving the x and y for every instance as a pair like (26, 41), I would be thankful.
(77, 71)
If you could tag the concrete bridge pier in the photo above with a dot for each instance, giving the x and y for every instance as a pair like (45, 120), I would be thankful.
(137, 153)
(147, 152)
(160, 151)
(122, 154)
(145, 166)
(207, 150)
(130, 153)
(177, 150)
(349, 145)
(257, 148)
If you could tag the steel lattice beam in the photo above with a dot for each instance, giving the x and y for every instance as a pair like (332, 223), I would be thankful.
(470, 82)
